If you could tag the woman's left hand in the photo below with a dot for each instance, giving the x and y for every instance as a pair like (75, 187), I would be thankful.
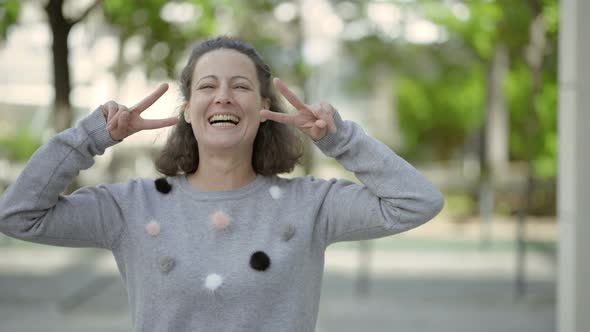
(314, 120)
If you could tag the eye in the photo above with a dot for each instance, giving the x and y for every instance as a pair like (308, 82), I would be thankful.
(205, 86)
(242, 87)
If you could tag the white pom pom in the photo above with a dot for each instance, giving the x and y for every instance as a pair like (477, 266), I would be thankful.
(275, 192)
(213, 281)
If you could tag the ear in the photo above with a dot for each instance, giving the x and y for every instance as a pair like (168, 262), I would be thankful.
(265, 106)
(187, 115)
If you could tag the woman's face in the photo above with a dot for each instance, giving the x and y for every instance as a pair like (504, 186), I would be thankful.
(225, 102)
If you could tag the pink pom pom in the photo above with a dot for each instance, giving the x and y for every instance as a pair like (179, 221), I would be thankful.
(220, 220)
(153, 228)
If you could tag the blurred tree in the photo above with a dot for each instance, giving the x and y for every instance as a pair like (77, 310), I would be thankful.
(9, 11)
(163, 30)
(444, 87)
(60, 25)
(160, 29)
(60, 30)
(527, 32)
(491, 78)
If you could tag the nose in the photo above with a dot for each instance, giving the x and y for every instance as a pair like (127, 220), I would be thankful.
(223, 95)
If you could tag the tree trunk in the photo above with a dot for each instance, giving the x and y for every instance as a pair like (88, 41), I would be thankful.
(496, 115)
(60, 30)
(535, 52)
(494, 141)
(534, 55)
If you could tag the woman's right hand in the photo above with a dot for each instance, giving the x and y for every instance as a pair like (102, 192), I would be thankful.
(122, 121)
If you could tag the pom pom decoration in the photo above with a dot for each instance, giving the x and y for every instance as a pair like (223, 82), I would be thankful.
(153, 228)
(275, 192)
(220, 220)
(259, 261)
(162, 185)
(213, 281)
(166, 264)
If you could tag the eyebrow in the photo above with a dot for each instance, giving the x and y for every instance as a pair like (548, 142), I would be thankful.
(232, 78)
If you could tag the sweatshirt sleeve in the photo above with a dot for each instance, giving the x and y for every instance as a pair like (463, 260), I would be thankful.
(395, 196)
(33, 209)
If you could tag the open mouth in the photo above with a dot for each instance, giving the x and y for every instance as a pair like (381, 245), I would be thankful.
(224, 120)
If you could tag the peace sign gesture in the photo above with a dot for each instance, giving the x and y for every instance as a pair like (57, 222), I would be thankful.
(123, 121)
(314, 120)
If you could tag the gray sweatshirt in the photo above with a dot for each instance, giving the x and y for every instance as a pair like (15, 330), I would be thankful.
(249, 259)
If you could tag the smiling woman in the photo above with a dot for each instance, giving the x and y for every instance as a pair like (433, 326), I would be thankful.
(224, 76)
(221, 242)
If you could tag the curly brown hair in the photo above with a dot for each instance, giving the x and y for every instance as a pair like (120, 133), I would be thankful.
(277, 148)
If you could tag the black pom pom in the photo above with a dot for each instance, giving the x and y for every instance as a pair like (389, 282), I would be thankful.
(163, 186)
(259, 261)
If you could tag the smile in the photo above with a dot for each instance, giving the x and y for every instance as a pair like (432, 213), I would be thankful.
(224, 120)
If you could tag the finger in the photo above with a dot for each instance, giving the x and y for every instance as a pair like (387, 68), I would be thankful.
(115, 111)
(150, 99)
(321, 123)
(111, 125)
(110, 108)
(327, 115)
(123, 120)
(290, 96)
(119, 126)
(111, 113)
(113, 122)
(278, 117)
(315, 110)
(158, 123)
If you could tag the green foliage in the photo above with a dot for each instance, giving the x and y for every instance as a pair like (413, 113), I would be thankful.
(146, 20)
(432, 109)
(545, 161)
(441, 88)
(164, 42)
(9, 11)
(20, 146)
(478, 33)
(517, 88)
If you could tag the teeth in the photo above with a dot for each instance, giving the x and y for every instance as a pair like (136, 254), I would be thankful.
(224, 117)
(223, 124)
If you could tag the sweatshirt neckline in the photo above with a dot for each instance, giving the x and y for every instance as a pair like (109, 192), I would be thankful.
(195, 193)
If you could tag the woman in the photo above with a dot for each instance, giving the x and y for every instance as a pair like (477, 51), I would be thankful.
(221, 243)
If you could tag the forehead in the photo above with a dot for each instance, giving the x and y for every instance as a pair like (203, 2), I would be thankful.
(224, 63)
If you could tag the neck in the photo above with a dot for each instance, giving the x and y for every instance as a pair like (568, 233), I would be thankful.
(219, 173)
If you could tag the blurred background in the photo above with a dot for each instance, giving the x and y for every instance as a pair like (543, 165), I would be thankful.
(467, 91)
